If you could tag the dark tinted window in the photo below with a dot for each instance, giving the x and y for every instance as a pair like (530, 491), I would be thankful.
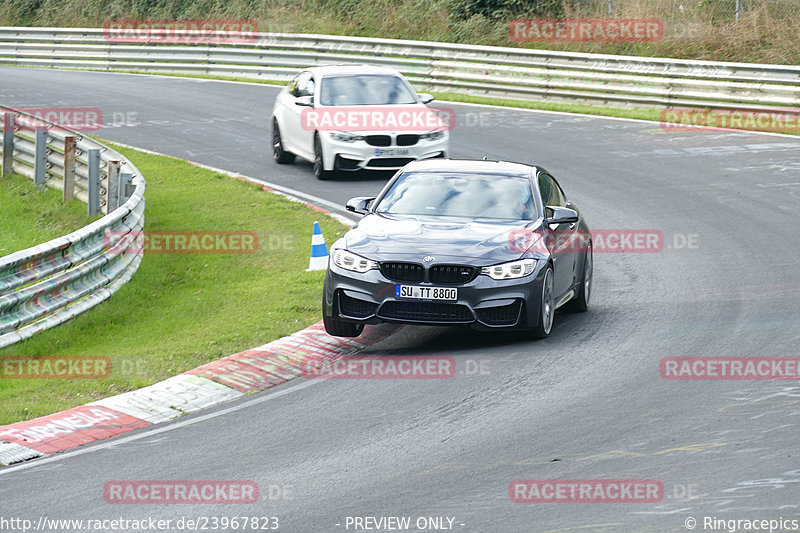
(460, 195)
(368, 89)
(551, 193)
(304, 85)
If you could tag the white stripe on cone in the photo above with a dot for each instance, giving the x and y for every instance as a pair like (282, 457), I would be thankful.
(319, 262)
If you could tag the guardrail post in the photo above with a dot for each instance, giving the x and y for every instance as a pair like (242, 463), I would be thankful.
(69, 169)
(8, 143)
(93, 160)
(112, 189)
(40, 159)
(126, 187)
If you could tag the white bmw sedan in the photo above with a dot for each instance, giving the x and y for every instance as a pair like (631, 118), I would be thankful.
(348, 118)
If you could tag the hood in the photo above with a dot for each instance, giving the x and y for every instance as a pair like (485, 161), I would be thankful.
(410, 238)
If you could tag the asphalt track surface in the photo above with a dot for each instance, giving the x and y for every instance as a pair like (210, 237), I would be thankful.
(587, 403)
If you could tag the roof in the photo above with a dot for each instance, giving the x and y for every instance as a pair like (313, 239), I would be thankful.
(472, 165)
(350, 70)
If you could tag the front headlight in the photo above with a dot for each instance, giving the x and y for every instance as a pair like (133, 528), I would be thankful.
(350, 261)
(432, 136)
(511, 270)
(346, 137)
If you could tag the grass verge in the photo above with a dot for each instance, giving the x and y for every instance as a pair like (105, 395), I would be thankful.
(695, 118)
(29, 217)
(182, 310)
(643, 114)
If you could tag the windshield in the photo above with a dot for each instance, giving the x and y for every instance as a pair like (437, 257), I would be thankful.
(459, 195)
(365, 90)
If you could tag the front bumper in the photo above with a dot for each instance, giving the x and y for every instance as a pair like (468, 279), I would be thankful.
(483, 303)
(360, 155)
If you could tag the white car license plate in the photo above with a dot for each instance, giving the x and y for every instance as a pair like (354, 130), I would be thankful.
(425, 293)
(391, 152)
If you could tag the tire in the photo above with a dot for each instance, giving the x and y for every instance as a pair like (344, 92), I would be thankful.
(580, 303)
(339, 328)
(319, 167)
(547, 306)
(281, 156)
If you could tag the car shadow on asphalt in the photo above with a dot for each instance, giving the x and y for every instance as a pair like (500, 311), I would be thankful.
(437, 339)
(353, 176)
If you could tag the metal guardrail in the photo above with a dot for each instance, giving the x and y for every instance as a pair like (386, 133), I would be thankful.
(48, 284)
(517, 73)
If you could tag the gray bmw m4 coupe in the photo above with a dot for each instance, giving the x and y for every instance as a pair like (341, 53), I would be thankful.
(486, 244)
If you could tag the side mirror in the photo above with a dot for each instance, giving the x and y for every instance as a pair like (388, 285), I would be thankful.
(561, 215)
(359, 205)
(425, 98)
(305, 101)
